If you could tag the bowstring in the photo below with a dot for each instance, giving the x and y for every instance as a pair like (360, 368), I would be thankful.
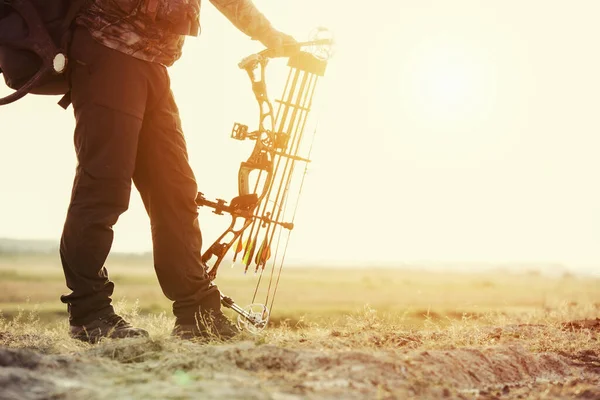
(302, 120)
(305, 104)
(293, 219)
(296, 122)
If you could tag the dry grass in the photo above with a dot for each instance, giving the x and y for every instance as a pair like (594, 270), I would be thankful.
(364, 356)
(336, 334)
(367, 330)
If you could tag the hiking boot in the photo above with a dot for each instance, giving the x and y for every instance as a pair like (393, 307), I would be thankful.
(110, 326)
(209, 325)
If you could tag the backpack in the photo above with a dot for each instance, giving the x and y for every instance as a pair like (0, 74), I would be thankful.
(34, 41)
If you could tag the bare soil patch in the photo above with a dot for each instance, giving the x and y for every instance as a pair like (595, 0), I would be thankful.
(314, 367)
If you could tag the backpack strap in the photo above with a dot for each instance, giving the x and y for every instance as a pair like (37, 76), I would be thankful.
(72, 12)
(74, 8)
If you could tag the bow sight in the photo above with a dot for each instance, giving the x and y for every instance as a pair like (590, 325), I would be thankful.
(259, 212)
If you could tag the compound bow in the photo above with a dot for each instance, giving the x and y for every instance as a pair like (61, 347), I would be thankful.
(258, 213)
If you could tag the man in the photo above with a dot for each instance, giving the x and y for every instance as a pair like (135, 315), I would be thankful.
(128, 128)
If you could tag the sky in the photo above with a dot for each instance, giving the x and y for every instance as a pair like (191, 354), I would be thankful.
(461, 131)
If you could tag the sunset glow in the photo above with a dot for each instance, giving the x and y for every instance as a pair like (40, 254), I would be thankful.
(475, 140)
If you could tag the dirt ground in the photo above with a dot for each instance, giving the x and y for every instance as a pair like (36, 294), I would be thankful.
(394, 366)
(351, 334)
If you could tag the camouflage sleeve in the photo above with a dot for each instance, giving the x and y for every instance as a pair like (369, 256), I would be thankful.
(246, 17)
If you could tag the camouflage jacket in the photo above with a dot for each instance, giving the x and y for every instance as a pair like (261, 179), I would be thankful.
(154, 30)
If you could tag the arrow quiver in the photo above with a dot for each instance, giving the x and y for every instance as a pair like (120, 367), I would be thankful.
(262, 215)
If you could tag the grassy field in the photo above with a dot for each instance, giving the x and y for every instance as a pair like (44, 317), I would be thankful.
(335, 333)
(316, 295)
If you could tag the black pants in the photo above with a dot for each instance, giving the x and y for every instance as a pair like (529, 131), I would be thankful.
(128, 128)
